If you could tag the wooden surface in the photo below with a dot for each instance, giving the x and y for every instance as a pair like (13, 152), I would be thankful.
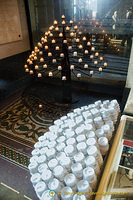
(129, 104)
(103, 186)
(10, 27)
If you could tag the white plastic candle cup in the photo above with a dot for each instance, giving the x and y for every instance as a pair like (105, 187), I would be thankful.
(81, 138)
(70, 181)
(33, 167)
(60, 156)
(43, 150)
(84, 187)
(67, 193)
(77, 170)
(37, 145)
(58, 122)
(107, 131)
(63, 118)
(35, 152)
(99, 133)
(44, 144)
(77, 111)
(95, 112)
(33, 159)
(79, 130)
(90, 161)
(60, 146)
(103, 145)
(54, 185)
(47, 176)
(82, 147)
(87, 115)
(79, 197)
(59, 172)
(89, 175)
(61, 139)
(91, 134)
(40, 188)
(35, 178)
(93, 151)
(53, 128)
(69, 150)
(88, 128)
(69, 133)
(42, 168)
(41, 159)
(71, 141)
(110, 123)
(52, 144)
(42, 138)
(79, 120)
(66, 163)
(79, 158)
(51, 153)
(52, 163)
(91, 141)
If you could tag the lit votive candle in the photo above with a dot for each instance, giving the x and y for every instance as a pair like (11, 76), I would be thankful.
(86, 51)
(63, 22)
(55, 22)
(46, 47)
(45, 40)
(100, 69)
(39, 44)
(26, 70)
(39, 75)
(41, 59)
(80, 60)
(69, 47)
(40, 53)
(85, 66)
(36, 67)
(105, 64)
(80, 46)
(59, 67)
(78, 75)
(46, 33)
(49, 54)
(96, 54)
(84, 38)
(77, 40)
(56, 28)
(92, 48)
(51, 34)
(91, 56)
(50, 74)
(67, 28)
(63, 16)
(36, 48)
(88, 43)
(30, 62)
(57, 48)
(31, 72)
(42, 39)
(65, 41)
(61, 55)
(45, 66)
(80, 33)
(64, 78)
(75, 53)
(75, 27)
(25, 66)
(91, 72)
(101, 58)
(53, 41)
(95, 62)
(71, 21)
(71, 67)
(71, 34)
(54, 61)
(60, 34)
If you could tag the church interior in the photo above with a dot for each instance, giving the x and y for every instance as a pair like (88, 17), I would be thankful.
(66, 100)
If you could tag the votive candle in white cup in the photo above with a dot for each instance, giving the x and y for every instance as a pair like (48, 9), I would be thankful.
(66, 163)
(84, 187)
(35, 152)
(54, 185)
(79, 197)
(81, 138)
(41, 159)
(103, 145)
(35, 178)
(77, 170)
(33, 167)
(69, 150)
(71, 141)
(99, 133)
(81, 147)
(42, 168)
(40, 188)
(60, 156)
(90, 161)
(75, 53)
(61, 139)
(70, 181)
(52, 163)
(51, 153)
(79, 158)
(89, 175)
(46, 176)
(60, 146)
(93, 151)
(67, 193)
(59, 172)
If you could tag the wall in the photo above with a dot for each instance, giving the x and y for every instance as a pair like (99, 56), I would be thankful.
(13, 26)
(129, 82)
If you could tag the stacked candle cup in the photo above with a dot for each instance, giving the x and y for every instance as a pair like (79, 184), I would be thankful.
(67, 159)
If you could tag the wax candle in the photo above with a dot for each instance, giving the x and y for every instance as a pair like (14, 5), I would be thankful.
(105, 64)
(59, 67)
(55, 22)
(53, 41)
(92, 48)
(71, 67)
(77, 40)
(26, 70)
(57, 48)
(101, 58)
(61, 55)
(49, 54)
(41, 59)
(84, 38)
(71, 34)
(80, 46)
(71, 21)
(50, 74)
(75, 27)
(96, 54)
(40, 53)
(69, 47)
(39, 44)
(95, 62)
(63, 22)
(100, 69)
(67, 28)
(91, 56)
(25, 66)
(80, 60)
(57, 28)
(60, 34)
(64, 41)
(39, 75)
(36, 67)
(91, 72)
(30, 62)
(75, 53)
(45, 66)
(51, 34)
(85, 66)
(31, 72)
(54, 61)
(78, 75)
(64, 78)
(88, 43)
(46, 47)
(86, 51)
(63, 16)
